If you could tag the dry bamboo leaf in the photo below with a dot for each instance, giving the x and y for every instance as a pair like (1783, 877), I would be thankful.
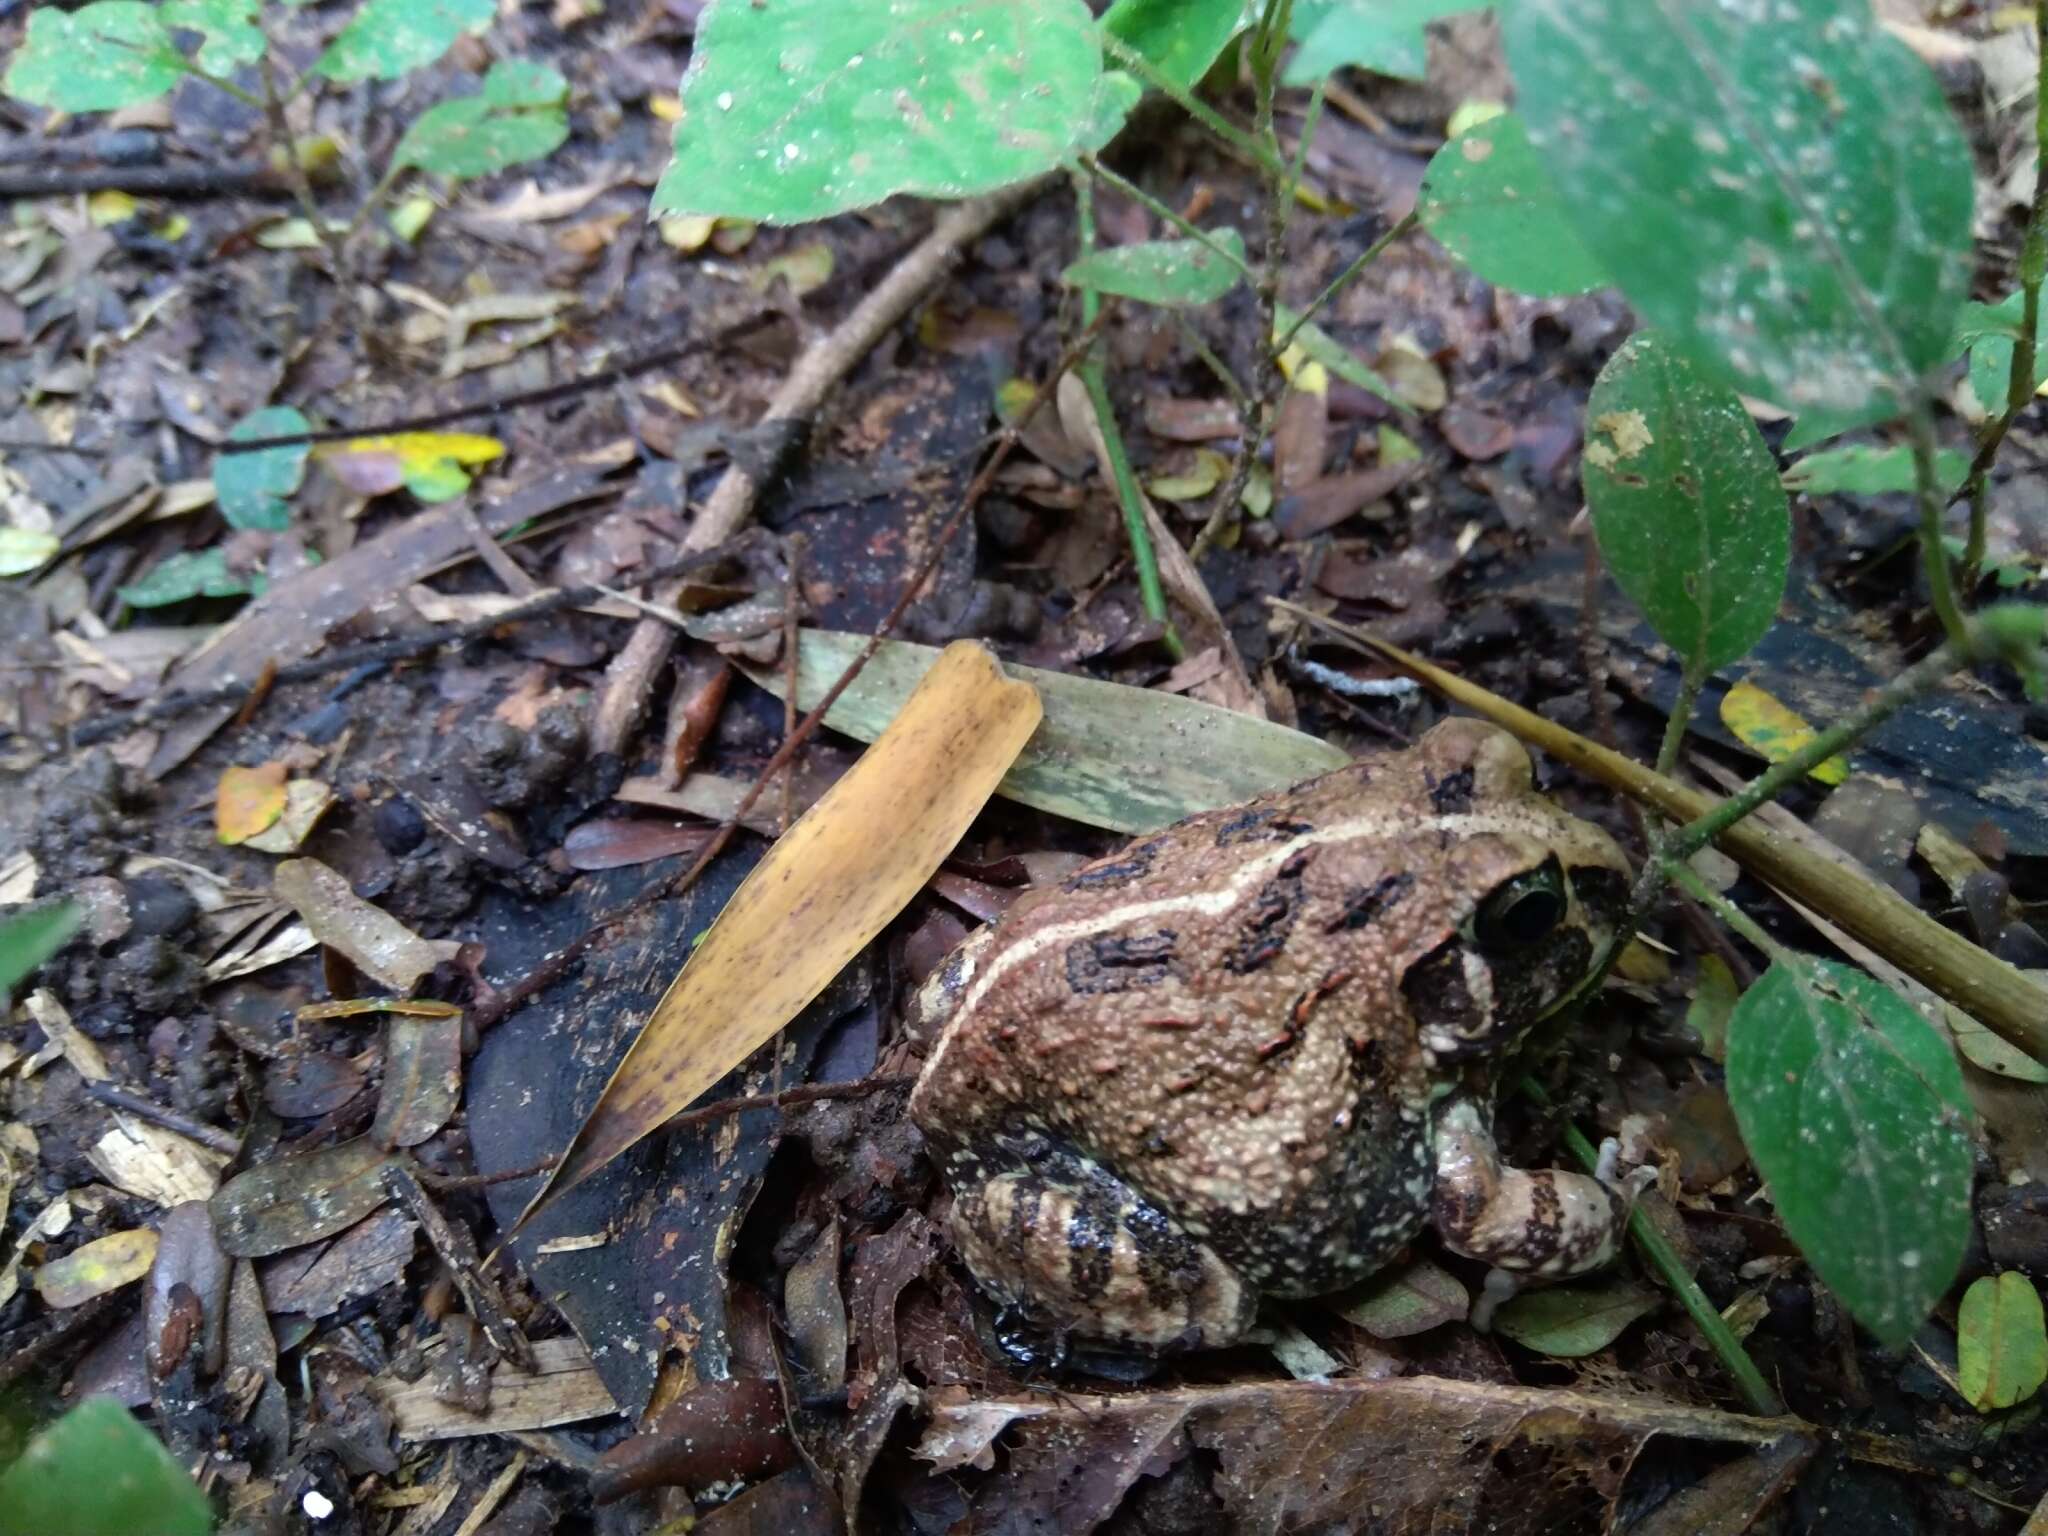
(562, 1388)
(832, 883)
(94, 1268)
(378, 944)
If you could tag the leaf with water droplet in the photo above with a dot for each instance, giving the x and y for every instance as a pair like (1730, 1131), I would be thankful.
(1686, 502)
(1776, 183)
(805, 108)
(1854, 1110)
(1163, 271)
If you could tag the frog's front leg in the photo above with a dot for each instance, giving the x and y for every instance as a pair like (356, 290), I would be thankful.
(1540, 1224)
(1056, 1235)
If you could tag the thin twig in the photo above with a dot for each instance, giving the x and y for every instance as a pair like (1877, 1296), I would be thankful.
(252, 178)
(157, 1114)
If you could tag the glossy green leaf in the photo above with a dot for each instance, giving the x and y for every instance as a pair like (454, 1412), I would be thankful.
(101, 57)
(1116, 94)
(516, 116)
(1179, 38)
(196, 573)
(1778, 185)
(29, 938)
(1989, 331)
(1854, 1110)
(1686, 502)
(805, 108)
(388, 38)
(1384, 36)
(2001, 1342)
(1867, 470)
(1487, 197)
(232, 36)
(1162, 271)
(1107, 755)
(1571, 1321)
(96, 1472)
(1326, 349)
(252, 487)
(1399, 1303)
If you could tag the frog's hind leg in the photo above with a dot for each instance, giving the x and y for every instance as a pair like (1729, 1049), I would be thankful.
(1534, 1224)
(1072, 1245)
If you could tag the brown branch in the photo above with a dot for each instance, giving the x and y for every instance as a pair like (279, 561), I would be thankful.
(155, 1113)
(251, 178)
(631, 675)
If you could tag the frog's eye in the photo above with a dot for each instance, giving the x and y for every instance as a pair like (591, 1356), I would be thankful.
(1522, 911)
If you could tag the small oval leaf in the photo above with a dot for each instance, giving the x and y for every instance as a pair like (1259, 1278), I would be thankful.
(298, 1199)
(1854, 1110)
(2001, 1343)
(252, 487)
(1162, 271)
(1571, 1321)
(1686, 502)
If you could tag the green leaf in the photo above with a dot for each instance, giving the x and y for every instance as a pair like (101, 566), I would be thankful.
(1179, 38)
(1571, 1321)
(96, 1471)
(1162, 271)
(805, 108)
(198, 573)
(252, 486)
(387, 38)
(29, 938)
(1818, 426)
(1780, 188)
(1326, 349)
(1129, 759)
(98, 58)
(1399, 1303)
(1487, 197)
(1854, 1110)
(1864, 470)
(1989, 331)
(24, 549)
(1384, 36)
(232, 36)
(1116, 95)
(1686, 502)
(2001, 1343)
(514, 117)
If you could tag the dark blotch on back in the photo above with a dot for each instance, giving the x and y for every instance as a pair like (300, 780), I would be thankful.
(1135, 862)
(1452, 793)
(1118, 962)
(1368, 903)
(1264, 936)
(1262, 826)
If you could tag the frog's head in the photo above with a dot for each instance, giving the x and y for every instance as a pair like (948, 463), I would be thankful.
(1528, 895)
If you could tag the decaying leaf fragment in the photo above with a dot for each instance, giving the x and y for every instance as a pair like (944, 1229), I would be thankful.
(831, 883)
(378, 944)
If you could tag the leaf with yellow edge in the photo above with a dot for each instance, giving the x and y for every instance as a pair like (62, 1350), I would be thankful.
(827, 887)
(247, 800)
(432, 465)
(1773, 730)
(94, 1268)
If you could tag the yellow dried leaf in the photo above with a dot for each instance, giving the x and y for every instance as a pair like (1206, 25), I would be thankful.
(1760, 722)
(687, 232)
(826, 888)
(102, 1265)
(247, 800)
(111, 207)
(666, 107)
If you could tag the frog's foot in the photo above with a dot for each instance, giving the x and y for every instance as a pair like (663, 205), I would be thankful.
(1541, 1224)
(1088, 1256)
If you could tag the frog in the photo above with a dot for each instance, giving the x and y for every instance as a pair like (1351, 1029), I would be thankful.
(1250, 1057)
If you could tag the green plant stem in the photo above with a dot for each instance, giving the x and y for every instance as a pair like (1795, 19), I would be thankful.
(1690, 681)
(1664, 1259)
(1231, 135)
(1162, 212)
(281, 144)
(371, 200)
(1210, 360)
(2033, 267)
(1688, 879)
(1927, 487)
(1144, 559)
(1337, 284)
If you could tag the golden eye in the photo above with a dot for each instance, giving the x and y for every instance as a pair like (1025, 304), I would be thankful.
(1522, 911)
